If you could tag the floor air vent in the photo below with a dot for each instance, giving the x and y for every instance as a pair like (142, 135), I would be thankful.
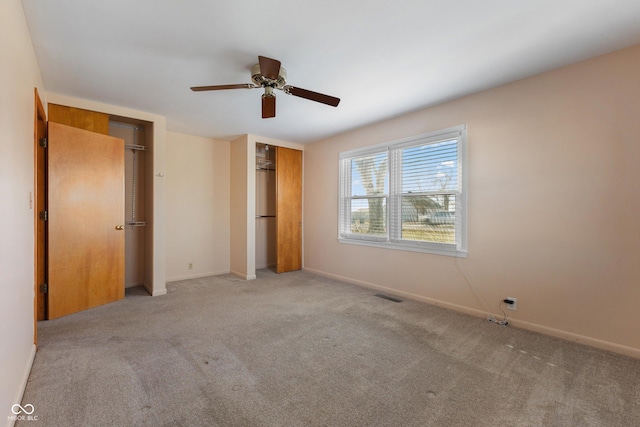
(383, 296)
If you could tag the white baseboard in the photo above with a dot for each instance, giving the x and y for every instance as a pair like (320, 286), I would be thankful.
(557, 333)
(154, 292)
(195, 276)
(23, 382)
(243, 276)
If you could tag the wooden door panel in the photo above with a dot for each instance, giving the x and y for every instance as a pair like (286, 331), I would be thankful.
(86, 205)
(288, 209)
(40, 130)
(78, 118)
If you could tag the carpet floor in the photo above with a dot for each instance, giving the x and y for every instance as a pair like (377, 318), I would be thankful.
(297, 349)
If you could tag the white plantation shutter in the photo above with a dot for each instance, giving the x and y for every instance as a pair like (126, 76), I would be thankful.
(409, 194)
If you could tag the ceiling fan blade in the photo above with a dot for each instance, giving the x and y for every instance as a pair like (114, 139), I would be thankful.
(268, 106)
(269, 68)
(313, 96)
(223, 87)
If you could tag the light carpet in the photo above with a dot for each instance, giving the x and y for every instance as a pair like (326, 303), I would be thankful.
(297, 349)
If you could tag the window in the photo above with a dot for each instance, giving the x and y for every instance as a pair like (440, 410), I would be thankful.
(408, 194)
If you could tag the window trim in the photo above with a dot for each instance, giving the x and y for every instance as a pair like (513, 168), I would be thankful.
(392, 240)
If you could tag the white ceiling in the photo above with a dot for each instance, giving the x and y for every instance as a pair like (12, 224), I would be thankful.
(383, 58)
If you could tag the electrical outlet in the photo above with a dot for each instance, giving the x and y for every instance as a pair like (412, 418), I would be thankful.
(514, 303)
(190, 266)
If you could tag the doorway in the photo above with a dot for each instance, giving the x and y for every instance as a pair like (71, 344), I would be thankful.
(134, 134)
(278, 207)
(266, 237)
(96, 123)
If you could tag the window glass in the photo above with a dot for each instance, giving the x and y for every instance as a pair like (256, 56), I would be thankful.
(408, 194)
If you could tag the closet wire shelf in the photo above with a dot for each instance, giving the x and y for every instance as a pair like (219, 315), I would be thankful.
(135, 147)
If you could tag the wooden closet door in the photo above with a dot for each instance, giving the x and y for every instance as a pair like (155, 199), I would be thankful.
(288, 209)
(86, 219)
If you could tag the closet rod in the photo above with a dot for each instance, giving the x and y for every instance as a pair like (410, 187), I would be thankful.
(265, 216)
(136, 223)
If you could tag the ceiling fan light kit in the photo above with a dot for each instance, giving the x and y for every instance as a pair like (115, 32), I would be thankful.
(269, 74)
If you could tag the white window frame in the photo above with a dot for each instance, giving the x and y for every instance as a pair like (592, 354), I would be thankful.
(393, 238)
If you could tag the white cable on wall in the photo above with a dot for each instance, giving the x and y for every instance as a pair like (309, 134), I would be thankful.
(470, 284)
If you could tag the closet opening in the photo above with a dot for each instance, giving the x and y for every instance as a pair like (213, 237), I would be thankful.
(137, 136)
(266, 223)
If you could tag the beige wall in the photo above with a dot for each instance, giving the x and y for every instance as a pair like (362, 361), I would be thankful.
(19, 74)
(553, 204)
(198, 208)
(239, 179)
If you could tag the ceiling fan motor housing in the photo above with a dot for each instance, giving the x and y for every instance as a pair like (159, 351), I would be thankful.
(262, 81)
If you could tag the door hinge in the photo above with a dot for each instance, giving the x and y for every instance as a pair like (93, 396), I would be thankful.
(43, 215)
(42, 142)
(44, 288)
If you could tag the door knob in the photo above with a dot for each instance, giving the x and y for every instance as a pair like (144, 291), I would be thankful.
(119, 227)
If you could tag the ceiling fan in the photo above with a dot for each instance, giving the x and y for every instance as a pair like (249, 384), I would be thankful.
(270, 75)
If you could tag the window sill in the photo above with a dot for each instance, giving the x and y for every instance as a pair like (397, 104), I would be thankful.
(433, 248)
